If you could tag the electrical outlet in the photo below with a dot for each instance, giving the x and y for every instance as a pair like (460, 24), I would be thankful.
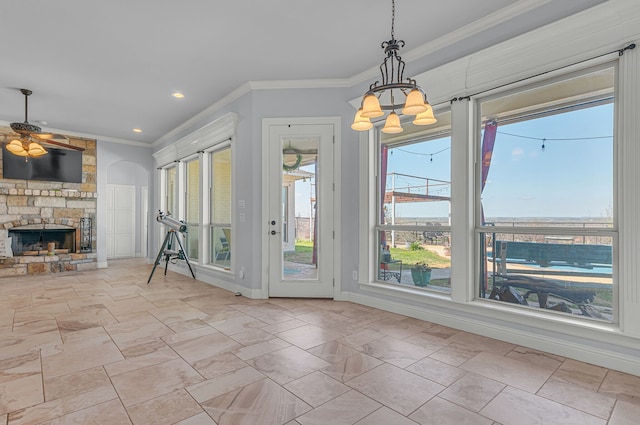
(355, 275)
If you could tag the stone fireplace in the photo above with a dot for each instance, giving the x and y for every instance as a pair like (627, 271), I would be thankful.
(35, 214)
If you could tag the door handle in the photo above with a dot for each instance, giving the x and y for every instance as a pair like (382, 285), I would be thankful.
(273, 232)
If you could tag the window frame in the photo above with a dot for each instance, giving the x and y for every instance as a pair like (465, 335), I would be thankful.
(210, 223)
(424, 134)
(479, 229)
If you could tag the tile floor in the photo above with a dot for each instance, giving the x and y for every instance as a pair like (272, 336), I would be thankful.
(102, 347)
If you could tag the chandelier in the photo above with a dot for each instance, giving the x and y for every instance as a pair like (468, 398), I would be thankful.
(393, 92)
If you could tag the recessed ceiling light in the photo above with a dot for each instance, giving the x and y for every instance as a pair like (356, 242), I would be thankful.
(177, 95)
(137, 130)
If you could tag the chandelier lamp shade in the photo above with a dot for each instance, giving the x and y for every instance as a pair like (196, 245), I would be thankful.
(393, 92)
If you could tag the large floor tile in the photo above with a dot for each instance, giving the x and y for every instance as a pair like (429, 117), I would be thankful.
(165, 410)
(437, 371)
(442, 412)
(622, 386)
(152, 381)
(346, 409)
(308, 336)
(351, 367)
(394, 351)
(516, 407)
(581, 374)
(625, 414)
(508, 371)
(385, 416)
(79, 354)
(287, 364)
(316, 388)
(261, 403)
(472, 391)
(578, 397)
(396, 388)
(20, 393)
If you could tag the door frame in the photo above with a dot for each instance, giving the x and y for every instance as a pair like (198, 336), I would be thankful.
(337, 178)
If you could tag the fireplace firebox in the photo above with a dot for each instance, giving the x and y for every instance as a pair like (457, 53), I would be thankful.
(37, 241)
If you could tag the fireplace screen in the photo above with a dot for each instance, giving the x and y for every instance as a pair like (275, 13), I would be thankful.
(38, 241)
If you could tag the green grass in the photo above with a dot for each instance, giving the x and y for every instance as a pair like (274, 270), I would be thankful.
(431, 258)
(303, 253)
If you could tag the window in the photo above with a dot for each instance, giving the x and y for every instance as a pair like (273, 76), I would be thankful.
(171, 199)
(414, 193)
(192, 201)
(547, 221)
(220, 208)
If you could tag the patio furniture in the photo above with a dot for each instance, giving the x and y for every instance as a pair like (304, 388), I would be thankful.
(389, 268)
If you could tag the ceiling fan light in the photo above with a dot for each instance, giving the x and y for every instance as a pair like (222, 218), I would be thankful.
(426, 117)
(361, 123)
(415, 103)
(392, 124)
(371, 107)
(15, 147)
(36, 150)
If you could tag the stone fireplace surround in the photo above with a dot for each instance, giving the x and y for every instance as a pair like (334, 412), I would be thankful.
(50, 205)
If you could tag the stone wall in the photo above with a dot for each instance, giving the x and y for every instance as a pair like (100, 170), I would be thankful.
(50, 204)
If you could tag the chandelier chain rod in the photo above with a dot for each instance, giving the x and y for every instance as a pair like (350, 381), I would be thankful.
(26, 109)
(393, 19)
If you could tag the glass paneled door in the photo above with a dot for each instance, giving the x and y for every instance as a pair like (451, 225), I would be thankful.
(301, 211)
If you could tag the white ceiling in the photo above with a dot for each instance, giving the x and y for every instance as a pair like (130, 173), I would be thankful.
(101, 68)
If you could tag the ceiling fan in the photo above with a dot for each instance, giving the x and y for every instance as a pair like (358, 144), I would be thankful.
(29, 137)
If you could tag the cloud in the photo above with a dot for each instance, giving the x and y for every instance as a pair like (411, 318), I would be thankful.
(517, 153)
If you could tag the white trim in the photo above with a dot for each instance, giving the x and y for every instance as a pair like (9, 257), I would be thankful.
(216, 131)
(628, 132)
(603, 347)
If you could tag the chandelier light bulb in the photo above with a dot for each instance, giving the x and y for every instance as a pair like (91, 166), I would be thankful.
(414, 103)
(361, 123)
(426, 117)
(371, 107)
(392, 124)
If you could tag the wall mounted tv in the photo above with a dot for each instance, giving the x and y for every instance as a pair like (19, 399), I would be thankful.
(58, 165)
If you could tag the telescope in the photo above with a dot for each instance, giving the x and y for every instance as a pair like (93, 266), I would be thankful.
(172, 223)
(171, 242)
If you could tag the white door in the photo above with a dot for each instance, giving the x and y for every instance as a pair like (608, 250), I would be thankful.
(121, 220)
(301, 185)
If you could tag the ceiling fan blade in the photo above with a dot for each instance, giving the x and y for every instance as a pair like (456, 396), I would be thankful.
(62, 144)
(49, 136)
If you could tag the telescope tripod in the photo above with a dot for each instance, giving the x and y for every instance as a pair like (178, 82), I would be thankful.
(167, 249)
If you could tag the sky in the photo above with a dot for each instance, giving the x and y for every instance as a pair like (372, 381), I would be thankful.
(568, 178)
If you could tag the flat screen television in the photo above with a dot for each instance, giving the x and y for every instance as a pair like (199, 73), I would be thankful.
(58, 165)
